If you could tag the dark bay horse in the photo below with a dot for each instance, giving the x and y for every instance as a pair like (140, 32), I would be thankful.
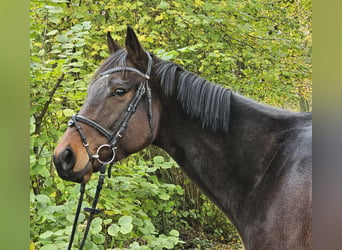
(253, 161)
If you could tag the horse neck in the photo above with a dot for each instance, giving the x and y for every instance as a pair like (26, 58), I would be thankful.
(227, 167)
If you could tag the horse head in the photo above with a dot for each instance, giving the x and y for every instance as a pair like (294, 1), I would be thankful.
(119, 116)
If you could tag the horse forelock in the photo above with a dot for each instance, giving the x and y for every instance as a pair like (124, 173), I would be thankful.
(200, 98)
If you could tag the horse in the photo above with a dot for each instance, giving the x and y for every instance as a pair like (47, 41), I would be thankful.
(253, 161)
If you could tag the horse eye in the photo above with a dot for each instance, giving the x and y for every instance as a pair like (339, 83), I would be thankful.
(119, 92)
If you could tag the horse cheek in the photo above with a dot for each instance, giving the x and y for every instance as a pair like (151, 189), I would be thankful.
(137, 136)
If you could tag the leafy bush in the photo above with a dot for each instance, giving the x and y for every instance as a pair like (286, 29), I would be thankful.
(129, 200)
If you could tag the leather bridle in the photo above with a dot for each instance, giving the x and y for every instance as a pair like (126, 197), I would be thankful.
(112, 136)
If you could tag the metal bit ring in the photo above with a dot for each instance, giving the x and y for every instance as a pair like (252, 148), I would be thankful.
(98, 155)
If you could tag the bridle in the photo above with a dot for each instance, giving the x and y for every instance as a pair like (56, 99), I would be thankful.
(112, 136)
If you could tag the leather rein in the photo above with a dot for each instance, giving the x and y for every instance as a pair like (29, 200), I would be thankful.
(113, 137)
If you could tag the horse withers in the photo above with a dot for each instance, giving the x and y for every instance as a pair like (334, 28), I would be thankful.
(251, 160)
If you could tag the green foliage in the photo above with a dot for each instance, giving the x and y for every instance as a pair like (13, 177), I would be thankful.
(130, 202)
(260, 48)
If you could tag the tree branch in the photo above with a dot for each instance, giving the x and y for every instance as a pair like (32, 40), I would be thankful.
(39, 118)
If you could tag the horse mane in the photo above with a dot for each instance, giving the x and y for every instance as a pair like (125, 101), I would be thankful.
(200, 98)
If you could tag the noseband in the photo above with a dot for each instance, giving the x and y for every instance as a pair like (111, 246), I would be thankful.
(112, 136)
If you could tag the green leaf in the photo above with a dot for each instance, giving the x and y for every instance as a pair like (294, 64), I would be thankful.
(158, 159)
(164, 197)
(68, 112)
(80, 43)
(148, 228)
(125, 220)
(41, 52)
(33, 159)
(59, 232)
(86, 25)
(44, 172)
(54, 9)
(136, 246)
(51, 33)
(50, 247)
(43, 199)
(96, 226)
(62, 38)
(42, 161)
(163, 5)
(125, 223)
(167, 165)
(98, 238)
(55, 51)
(60, 186)
(46, 235)
(75, 70)
(54, 19)
(107, 221)
(126, 228)
(174, 233)
(113, 230)
(67, 46)
(138, 222)
(77, 28)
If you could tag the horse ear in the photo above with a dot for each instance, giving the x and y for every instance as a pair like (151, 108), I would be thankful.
(112, 45)
(134, 49)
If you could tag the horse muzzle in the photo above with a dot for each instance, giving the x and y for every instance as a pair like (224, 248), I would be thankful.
(65, 162)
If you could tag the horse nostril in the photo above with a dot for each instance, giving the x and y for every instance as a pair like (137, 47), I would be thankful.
(66, 159)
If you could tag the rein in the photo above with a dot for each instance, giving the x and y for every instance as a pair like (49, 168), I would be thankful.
(113, 137)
